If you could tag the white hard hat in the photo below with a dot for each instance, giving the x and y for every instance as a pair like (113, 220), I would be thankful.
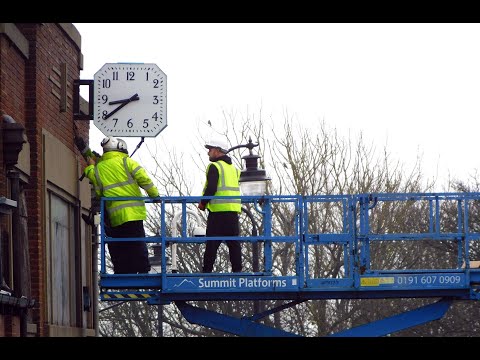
(217, 142)
(114, 144)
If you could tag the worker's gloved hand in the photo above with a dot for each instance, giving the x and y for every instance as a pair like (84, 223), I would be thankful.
(201, 206)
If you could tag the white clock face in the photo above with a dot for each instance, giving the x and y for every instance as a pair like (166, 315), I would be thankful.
(130, 99)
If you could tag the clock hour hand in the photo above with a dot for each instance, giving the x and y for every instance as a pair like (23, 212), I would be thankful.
(133, 98)
(122, 102)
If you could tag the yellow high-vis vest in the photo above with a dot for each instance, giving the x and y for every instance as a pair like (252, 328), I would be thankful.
(118, 175)
(227, 185)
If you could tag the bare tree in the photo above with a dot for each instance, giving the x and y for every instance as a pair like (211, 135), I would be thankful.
(305, 161)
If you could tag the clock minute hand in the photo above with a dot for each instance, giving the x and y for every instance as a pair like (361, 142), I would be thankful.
(122, 102)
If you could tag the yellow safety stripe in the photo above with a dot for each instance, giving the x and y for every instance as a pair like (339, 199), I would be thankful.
(125, 165)
(147, 187)
(125, 205)
(222, 187)
(135, 170)
(123, 183)
(225, 201)
(99, 182)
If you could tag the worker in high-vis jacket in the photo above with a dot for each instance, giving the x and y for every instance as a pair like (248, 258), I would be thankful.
(223, 214)
(118, 175)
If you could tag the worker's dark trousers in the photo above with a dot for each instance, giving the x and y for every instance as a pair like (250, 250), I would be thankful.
(128, 257)
(222, 224)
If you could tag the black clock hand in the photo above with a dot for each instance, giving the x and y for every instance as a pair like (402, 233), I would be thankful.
(134, 97)
(123, 103)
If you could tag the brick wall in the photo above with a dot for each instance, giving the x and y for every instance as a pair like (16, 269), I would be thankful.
(12, 90)
(31, 92)
(12, 102)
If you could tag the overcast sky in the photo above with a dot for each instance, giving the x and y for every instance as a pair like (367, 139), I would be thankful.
(414, 87)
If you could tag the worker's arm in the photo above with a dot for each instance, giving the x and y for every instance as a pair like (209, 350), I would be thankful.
(142, 178)
(211, 185)
(89, 172)
(85, 150)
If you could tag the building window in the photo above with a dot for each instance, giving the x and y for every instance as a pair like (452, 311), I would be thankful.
(62, 261)
(5, 257)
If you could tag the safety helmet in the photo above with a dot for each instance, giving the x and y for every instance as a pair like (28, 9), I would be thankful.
(217, 142)
(114, 144)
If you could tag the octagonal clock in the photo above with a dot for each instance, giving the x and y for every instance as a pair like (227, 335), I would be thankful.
(130, 99)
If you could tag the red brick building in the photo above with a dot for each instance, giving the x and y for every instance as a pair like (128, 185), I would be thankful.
(47, 272)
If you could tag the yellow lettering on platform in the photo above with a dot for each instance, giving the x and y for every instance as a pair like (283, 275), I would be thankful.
(369, 281)
(376, 281)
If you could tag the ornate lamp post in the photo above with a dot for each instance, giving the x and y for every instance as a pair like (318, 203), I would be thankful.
(253, 181)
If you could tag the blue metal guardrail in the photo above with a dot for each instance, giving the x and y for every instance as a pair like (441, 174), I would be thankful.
(313, 222)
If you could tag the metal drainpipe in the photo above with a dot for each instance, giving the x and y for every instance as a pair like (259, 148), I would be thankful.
(14, 177)
(95, 289)
(79, 315)
(1, 264)
(95, 242)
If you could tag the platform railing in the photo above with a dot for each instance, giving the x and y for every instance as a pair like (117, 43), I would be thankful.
(344, 231)
(168, 208)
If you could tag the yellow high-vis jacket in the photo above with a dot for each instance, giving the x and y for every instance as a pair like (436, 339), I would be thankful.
(227, 185)
(118, 175)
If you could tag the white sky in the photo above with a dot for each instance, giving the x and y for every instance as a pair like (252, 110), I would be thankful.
(414, 87)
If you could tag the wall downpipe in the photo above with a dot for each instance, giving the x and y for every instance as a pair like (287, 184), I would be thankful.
(18, 250)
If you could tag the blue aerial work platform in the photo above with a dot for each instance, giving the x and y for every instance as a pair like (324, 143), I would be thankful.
(349, 218)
